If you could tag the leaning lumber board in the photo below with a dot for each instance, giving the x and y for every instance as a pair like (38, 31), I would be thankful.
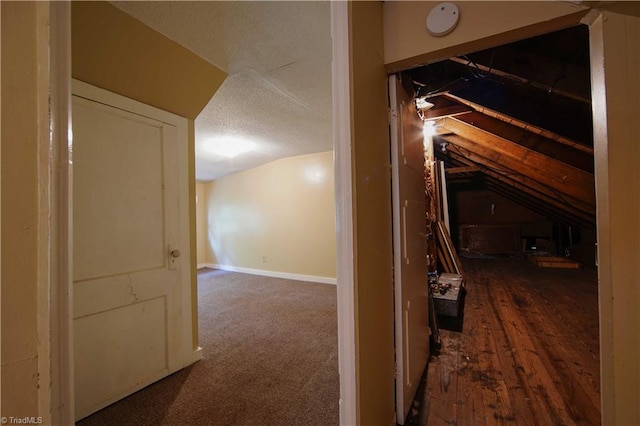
(451, 249)
(445, 259)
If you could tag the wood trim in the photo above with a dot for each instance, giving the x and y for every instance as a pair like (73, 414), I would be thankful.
(61, 244)
(341, 89)
(47, 192)
(275, 274)
(615, 62)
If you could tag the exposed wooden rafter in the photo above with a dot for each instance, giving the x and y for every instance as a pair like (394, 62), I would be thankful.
(548, 83)
(549, 172)
(484, 104)
(526, 126)
(462, 169)
(512, 190)
(563, 153)
(523, 183)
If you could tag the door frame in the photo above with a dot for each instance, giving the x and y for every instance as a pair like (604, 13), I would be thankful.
(600, 110)
(55, 178)
(55, 171)
(341, 89)
(59, 399)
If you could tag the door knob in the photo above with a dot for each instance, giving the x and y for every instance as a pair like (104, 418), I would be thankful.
(174, 253)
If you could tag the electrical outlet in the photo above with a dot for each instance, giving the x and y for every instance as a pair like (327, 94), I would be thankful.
(264, 259)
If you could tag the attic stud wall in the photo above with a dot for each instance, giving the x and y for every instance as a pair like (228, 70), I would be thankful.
(431, 203)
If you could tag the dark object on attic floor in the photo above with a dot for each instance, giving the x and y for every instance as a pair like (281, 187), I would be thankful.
(448, 303)
(555, 262)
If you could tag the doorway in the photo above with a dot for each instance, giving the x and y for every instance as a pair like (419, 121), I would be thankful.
(521, 192)
(293, 112)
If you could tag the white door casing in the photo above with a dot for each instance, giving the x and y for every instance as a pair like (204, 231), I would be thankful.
(131, 291)
(410, 249)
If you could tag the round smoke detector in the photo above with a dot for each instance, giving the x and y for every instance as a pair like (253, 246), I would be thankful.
(443, 19)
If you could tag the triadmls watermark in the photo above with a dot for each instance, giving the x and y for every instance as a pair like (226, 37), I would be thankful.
(21, 420)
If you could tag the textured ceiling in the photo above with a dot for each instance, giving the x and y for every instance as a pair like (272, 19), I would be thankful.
(278, 57)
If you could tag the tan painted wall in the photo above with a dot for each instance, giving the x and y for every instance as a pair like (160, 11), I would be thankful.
(482, 24)
(372, 218)
(116, 52)
(201, 223)
(615, 62)
(284, 210)
(19, 249)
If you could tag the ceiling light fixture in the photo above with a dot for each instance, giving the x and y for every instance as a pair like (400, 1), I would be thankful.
(429, 128)
(229, 146)
(423, 104)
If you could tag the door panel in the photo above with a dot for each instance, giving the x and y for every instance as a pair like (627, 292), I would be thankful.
(114, 341)
(124, 152)
(127, 288)
(410, 249)
(414, 248)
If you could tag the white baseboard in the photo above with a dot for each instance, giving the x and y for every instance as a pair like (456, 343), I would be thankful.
(201, 265)
(265, 273)
(197, 355)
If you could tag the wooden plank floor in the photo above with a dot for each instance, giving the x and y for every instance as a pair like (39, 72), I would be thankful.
(527, 353)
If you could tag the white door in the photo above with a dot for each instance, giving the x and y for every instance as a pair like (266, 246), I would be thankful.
(410, 248)
(126, 244)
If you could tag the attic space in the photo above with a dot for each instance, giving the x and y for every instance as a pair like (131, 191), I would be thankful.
(509, 160)
(513, 128)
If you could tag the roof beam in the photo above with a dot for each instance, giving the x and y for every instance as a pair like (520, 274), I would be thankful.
(572, 157)
(574, 92)
(521, 183)
(524, 161)
(464, 169)
(523, 125)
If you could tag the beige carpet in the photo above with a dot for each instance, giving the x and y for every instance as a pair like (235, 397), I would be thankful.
(270, 358)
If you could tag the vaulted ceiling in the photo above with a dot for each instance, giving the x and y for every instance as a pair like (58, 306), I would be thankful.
(516, 120)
